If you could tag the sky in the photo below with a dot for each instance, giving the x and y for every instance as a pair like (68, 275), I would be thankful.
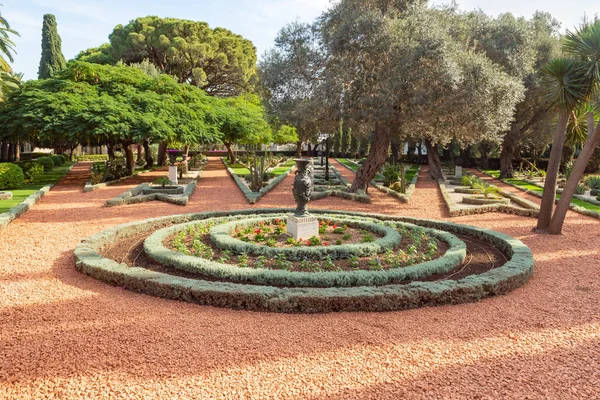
(87, 23)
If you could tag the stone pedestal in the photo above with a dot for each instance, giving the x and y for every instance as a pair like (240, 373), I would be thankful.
(457, 172)
(5, 195)
(302, 227)
(173, 174)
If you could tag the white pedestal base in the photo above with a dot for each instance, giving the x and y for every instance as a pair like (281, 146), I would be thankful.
(173, 174)
(457, 172)
(302, 227)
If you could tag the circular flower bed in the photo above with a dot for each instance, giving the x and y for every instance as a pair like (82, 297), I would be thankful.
(182, 262)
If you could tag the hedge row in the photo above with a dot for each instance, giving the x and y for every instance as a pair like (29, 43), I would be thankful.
(155, 249)
(531, 209)
(514, 273)
(251, 196)
(92, 157)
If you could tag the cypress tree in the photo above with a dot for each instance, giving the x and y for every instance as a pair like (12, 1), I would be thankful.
(52, 57)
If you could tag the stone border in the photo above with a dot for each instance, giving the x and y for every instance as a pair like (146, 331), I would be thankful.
(156, 250)
(135, 196)
(13, 213)
(532, 209)
(514, 273)
(572, 207)
(480, 201)
(251, 196)
(88, 187)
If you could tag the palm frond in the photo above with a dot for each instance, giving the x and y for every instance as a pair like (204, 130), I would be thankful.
(567, 84)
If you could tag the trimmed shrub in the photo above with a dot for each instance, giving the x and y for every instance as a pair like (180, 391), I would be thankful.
(580, 189)
(11, 176)
(92, 157)
(63, 157)
(33, 170)
(58, 161)
(47, 162)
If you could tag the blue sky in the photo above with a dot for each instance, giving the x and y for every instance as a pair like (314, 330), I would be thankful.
(87, 23)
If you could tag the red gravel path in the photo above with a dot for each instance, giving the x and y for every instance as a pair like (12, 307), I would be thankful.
(65, 335)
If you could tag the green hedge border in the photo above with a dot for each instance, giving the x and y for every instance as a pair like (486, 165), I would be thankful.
(254, 197)
(156, 250)
(531, 209)
(514, 273)
(572, 207)
(13, 213)
(135, 196)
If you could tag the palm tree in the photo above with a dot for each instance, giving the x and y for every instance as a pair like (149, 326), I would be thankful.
(7, 46)
(566, 88)
(583, 45)
(9, 82)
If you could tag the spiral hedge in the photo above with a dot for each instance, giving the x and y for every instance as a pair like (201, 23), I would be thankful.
(366, 291)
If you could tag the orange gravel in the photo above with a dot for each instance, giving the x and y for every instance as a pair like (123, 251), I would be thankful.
(65, 335)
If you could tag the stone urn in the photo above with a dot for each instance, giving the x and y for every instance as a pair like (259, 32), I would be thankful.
(302, 225)
(302, 188)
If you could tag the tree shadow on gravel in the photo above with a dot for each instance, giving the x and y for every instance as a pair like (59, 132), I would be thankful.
(564, 372)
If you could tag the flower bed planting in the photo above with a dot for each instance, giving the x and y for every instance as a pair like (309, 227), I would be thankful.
(273, 285)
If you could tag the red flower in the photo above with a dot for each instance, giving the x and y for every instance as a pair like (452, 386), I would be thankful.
(325, 244)
(321, 223)
(308, 242)
(257, 231)
(277, 221)
(334, 226)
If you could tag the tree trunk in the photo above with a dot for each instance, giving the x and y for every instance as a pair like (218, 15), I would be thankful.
(549, 194)
(17, 152)
(186, 152)
(11, 152)
(419, 152)
(230, 153)
(148, 154)
(129, 157)
(162, 154)
(299, 149)
(377, 157)
(509, 148)
(110, 148)
(140, 153)
(433, 159)
(593, 140)
(394, 148)
(4, 151)
(465, 154)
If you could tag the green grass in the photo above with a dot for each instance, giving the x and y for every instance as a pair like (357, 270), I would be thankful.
(239, 169)
(354, 167)
(410, 174)
(24, 191)
(526, 185)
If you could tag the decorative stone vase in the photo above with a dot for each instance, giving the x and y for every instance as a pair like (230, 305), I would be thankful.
(302, 188)
(172, 157)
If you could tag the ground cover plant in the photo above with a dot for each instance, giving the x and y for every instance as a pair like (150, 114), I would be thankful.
(28, 189)
(416, 246)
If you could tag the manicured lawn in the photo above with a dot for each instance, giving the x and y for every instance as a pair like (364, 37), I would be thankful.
(283, 168)
(410, 173)
(525, 185)
(24, 191)
(239, 169)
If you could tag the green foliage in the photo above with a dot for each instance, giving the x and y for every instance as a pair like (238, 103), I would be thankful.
(593, 181)
(163, 181)
(33, 170)
(47, 162)
(92, 103)
(92, 157)
(11, 176)
(216, 60)
(58, 161)
(580, 188)
(52, 57)
(7, 46)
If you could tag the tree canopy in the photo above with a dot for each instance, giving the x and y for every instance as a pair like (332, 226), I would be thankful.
(216, 60)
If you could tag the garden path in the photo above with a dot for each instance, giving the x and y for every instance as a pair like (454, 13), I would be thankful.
(66, 335)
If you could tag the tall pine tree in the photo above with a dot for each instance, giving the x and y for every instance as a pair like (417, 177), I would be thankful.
(52, 56)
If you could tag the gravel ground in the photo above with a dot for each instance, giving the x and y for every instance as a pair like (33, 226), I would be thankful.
(65, 335)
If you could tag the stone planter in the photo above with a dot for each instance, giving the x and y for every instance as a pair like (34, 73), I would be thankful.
(5, 195)
(165, 190)
(465, 190)
(484, 201)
